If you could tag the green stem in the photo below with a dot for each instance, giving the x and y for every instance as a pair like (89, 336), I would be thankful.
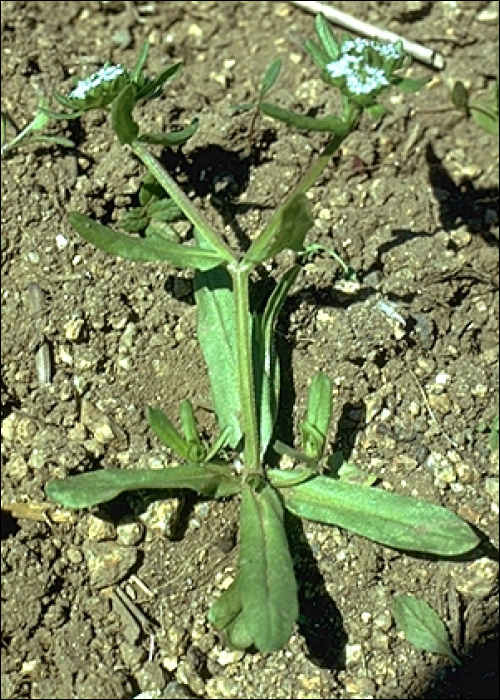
(249, 423)
(195, 217)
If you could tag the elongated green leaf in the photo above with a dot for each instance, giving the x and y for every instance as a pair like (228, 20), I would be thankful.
(141, 61)
(167, 433)
(196, 449)
(174, 138)
(389, 518)
(330, 123)
(319, 56)
(410, 84)
(216, 336)
(90, 489)
(422, 625)
(487, 120)
(318, 417)
(266, 579)
(121, 114)
(326, 37)
(153, 87)
(142, 249)
(266, 361)
(287, 229)
(220, 442)
(284, 478)
(62, 116)
(270, 76)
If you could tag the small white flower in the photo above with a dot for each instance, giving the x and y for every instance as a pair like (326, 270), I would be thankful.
(389, 51)
(354, 65)
(344, 66)
(103, 75)
(367, 80)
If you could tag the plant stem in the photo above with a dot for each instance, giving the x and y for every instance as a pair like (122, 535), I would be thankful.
(195, 217)
(249, 423)
(311, 175)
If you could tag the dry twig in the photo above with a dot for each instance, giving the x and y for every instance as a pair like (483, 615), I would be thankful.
(419, 52)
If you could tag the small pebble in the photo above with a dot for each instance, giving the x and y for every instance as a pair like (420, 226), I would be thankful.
(108, 563)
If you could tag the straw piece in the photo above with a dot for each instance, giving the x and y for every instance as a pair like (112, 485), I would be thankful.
(419, 52)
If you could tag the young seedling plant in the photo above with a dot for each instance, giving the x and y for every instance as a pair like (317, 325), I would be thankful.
(260, 608)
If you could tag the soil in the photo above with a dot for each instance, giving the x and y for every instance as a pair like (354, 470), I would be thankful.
(410, 203)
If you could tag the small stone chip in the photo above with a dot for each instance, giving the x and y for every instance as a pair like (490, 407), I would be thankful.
(108, 563)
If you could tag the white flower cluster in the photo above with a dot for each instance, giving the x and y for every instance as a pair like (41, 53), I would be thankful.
(103, 75)
(357, 46)
(362, 78)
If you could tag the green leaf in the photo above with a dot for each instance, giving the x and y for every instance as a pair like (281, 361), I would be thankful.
(318, 417)
(270, 76)
(134, 220)
(226, 608)
(174, 138)
(266, 580)
(167, 433)
(409, 84)
(319, 57)
(196, 450)
(266, 362)
(422, 626)
(153, 87)
(460, 96)
(331, 124)
(142, 249)
(121, 114)
(487, 120)
(140, 63)
(284, 478)
(376, 111)
(287, 229)
(92, 488)
(327, 38)
(389, 518)
(216, 333)
(165, 210)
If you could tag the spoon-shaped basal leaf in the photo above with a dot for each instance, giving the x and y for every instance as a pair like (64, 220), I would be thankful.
(143, 249)
(422, 625)
(92, 488)
(389, 518)
(266, 580)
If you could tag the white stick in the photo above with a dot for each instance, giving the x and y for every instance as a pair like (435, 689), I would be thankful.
(419, 52)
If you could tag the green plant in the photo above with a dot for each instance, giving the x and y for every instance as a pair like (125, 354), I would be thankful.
(484, 109)
(260, 608)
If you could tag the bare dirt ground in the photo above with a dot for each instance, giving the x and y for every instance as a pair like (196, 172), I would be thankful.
(411, 204)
